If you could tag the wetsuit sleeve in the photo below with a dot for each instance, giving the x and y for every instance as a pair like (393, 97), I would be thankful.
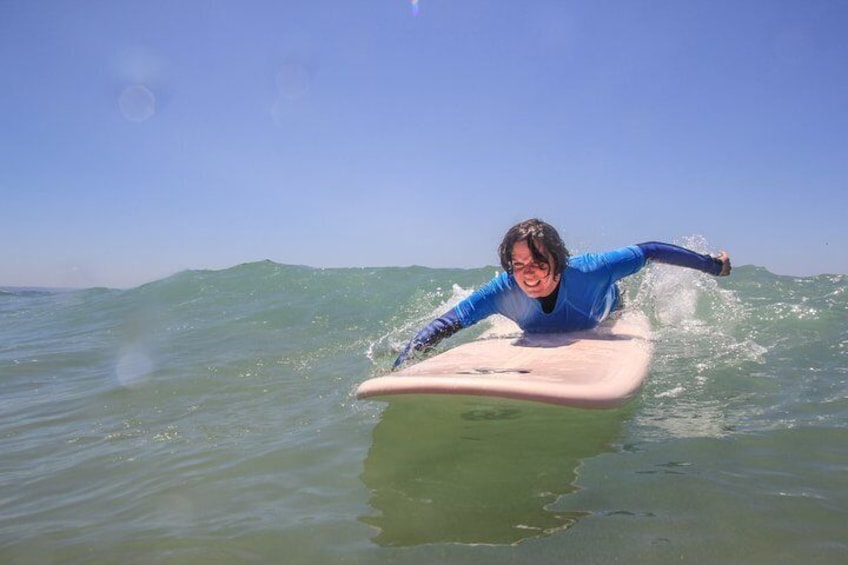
(680, 256)
(431, 334)
(486, 301)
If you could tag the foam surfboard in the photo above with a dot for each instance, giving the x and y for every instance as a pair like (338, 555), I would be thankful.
(600, 368)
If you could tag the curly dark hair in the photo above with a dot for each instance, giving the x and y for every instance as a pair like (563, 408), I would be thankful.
(534, 231)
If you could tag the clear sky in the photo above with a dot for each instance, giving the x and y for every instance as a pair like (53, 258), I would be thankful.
(141, 138)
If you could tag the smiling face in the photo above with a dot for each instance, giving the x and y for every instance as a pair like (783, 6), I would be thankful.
(534, 277)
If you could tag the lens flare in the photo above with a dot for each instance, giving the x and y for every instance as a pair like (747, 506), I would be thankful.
(137, 103)
(133, 367)
(414, 7)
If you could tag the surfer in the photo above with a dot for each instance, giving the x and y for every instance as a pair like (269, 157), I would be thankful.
(544, 289)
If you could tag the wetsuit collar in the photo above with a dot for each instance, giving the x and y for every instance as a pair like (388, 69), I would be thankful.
(549, 302)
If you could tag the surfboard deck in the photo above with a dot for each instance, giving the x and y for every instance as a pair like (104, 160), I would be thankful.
(600, 368)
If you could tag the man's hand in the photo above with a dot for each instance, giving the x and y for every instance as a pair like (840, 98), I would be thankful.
(725, 263)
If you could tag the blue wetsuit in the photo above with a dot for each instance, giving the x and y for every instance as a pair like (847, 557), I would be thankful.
(587, 293)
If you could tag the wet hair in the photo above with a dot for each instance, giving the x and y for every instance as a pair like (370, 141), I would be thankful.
(534, 231)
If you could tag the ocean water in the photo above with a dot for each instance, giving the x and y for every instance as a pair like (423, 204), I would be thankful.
(209, 418)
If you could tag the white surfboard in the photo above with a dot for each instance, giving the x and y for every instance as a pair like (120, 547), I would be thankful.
(600, 368)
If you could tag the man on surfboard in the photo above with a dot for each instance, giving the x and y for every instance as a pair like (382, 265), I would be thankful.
(546, 290)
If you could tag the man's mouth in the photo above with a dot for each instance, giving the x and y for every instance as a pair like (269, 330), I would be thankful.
(533, 287)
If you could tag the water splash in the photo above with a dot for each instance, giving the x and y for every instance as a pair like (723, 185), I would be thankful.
(408, 323)
(705, 342)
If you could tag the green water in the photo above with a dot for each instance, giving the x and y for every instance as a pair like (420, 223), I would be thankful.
(209, 418)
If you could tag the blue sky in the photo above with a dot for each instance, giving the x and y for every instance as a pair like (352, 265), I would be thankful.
(141, 138)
